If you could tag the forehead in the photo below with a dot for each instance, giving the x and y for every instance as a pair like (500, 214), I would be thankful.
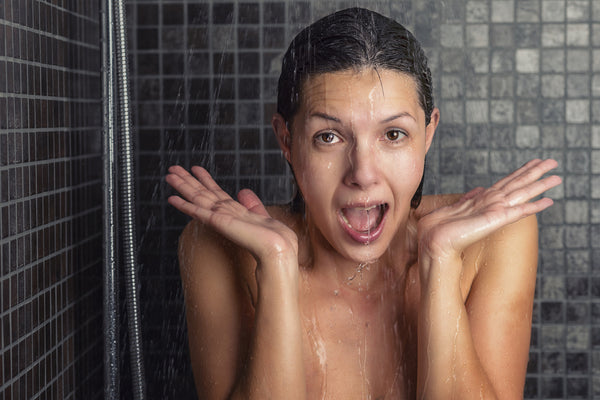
(353, 91)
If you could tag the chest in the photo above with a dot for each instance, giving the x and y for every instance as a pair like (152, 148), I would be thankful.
(359, 349)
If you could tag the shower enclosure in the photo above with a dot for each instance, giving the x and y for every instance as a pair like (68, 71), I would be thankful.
(513, 79)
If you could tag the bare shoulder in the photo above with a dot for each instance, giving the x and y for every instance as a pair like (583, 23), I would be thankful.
(507, 257)
(207, 258)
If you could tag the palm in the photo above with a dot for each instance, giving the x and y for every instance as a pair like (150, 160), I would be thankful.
(246, 223)
(449, 230)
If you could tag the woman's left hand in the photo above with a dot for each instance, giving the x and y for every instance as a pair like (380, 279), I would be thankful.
(447, 231)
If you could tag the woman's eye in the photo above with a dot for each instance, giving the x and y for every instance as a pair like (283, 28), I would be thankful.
(327, 137)
(394, 135)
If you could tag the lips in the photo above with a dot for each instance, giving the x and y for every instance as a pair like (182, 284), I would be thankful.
(363, 224)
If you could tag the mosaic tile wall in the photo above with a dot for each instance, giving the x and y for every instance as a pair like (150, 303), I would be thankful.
(514, 80)
(50, 200)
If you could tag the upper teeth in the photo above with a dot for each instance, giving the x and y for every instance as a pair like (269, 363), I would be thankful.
(366, 208)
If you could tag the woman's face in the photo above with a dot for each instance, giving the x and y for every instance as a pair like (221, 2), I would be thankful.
(358, 146)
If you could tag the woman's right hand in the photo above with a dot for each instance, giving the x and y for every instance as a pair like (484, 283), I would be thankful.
(245, 222)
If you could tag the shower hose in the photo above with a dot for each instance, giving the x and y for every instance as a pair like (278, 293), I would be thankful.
(115, 65)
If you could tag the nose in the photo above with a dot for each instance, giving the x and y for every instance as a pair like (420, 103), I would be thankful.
(363, 169)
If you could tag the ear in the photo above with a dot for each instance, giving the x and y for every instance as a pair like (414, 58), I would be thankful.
(282, 134)
(430, 129)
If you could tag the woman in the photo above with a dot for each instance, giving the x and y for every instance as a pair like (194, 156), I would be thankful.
(365, 291)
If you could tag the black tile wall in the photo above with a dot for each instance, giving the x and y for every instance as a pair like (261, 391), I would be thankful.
(514, 80)
(50, 200)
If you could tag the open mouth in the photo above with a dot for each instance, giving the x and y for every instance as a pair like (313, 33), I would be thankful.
(364, 224)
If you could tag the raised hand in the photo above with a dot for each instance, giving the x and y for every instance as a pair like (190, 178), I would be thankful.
(447, 231)
(245, 222)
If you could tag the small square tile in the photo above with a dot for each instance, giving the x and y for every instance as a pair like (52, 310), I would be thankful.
(552, 312)
(502, 35)
(578, 313)
(578, 35)
(248, 13)
(528, 86)
(577, 237)
(578, 85)
(452, 111)
(578, 337)
(477, 11)
(502, 61)
(452, 86)
(527, 60)
(552, 387)
(577, 287)
(578, 10)
(578, 111)
(500, 162)
(528, 11)
(553, 86)
(553, 362)
(553, 35)
(451, 36)
(527, 35)
(553, 337)
(478, 61)
(476, 111)
(553, 288)
(527, 136)
(552, 237)
(553, 60)
(503, 10)
(477, 36)
(578, 60)
(553, 10)
(477, 87)
(502, 86)
(501, 111)
(578, 388)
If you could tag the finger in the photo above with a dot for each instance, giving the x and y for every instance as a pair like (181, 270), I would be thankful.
(240, 231)
(472, 193)
(192, 191)
(530, 175)
(178, 177)
(250, 200)
(205, 178)
(524, 194)
(518, 172)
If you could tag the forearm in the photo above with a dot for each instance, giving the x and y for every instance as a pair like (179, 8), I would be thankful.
(274, 366)
(448, 364)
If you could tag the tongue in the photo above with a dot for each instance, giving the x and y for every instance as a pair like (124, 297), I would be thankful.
(362, 220)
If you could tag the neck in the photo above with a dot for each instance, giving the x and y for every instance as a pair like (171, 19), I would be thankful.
(334, 270)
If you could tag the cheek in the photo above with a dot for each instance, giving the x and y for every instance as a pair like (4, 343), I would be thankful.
(405, 170)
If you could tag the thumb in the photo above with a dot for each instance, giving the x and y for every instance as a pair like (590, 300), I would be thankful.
(250, 200)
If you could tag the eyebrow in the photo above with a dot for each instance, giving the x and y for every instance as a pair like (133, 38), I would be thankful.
(335, 119)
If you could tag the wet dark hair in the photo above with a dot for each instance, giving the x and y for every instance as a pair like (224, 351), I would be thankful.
(353, 39)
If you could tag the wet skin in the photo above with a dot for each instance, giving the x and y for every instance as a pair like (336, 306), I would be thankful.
(332, 304)
(358, 140)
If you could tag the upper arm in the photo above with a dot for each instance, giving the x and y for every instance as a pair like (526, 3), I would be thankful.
(216, 309)
(500, 304)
